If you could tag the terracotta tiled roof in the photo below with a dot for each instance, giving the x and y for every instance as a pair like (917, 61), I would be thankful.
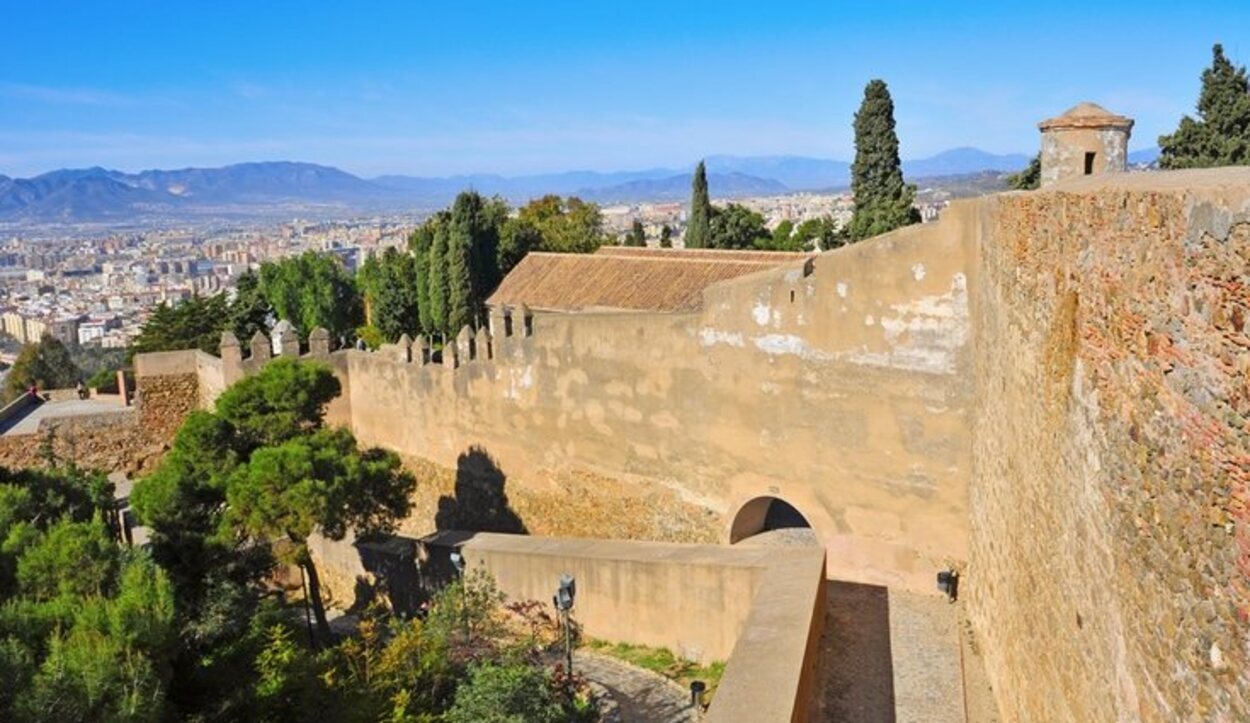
(1086, 115)
(628, 279)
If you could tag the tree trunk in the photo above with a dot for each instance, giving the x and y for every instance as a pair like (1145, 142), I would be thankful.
(305, 561)
(314, 595)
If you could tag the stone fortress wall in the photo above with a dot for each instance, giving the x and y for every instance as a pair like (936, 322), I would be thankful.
(1110, 546)
(1046, 390)
(855, 411)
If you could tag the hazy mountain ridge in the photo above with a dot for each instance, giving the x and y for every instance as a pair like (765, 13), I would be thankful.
(287, 187)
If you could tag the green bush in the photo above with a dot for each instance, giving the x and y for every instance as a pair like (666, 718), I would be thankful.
(507, 693)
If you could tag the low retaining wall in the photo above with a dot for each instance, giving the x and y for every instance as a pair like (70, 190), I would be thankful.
(17, 409)
(760, 609)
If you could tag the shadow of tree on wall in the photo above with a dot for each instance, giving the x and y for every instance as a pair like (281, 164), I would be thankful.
(479, 503)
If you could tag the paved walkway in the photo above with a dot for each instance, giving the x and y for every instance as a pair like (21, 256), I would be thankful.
(29, 424)
(643, 696)
(898, 657)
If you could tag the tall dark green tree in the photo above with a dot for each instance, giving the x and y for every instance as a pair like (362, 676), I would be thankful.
(637, 235)
(666, 237)
(699, 223)
(1221, 134)
(389, 285)
(421, 243)
(883, 201)
(312, 290)
(250, 310)
(438, 280)
(462, 299)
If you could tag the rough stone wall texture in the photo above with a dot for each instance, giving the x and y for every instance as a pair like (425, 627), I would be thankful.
(842, 386)
(1111, 456)
(127, 442)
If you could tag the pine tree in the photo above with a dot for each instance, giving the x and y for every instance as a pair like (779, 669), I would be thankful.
(883, 201)
(1221, 135)
(699, 225)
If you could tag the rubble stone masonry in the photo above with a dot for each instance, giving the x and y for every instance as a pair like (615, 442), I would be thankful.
(1110, 545)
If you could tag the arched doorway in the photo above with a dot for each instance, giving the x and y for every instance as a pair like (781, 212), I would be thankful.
(764, 514)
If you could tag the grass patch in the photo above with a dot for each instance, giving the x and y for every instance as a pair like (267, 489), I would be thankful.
(662, 661)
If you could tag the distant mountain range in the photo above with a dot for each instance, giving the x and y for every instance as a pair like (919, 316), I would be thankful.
(285, 189)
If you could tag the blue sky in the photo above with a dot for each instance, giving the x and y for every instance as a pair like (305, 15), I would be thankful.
(518, 87)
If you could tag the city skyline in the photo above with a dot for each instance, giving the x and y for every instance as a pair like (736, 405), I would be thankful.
(435, 91)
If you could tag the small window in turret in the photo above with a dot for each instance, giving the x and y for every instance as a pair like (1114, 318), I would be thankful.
(1089, 163)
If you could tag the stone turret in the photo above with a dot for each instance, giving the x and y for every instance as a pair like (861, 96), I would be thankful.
(285, 340)
(451, 354)
(405, 348)
(319, 342)
(262, 349)
(482, 344)
(231, 357)
(1086, 140)
(421, 350)
(464, 344)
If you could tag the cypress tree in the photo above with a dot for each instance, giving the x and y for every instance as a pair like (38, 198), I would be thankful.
(883, 201)
(419, 243)
(699, 226)
(438, 278)
(462, 297)
(1221, 135)
(637, 236)
(666, 237)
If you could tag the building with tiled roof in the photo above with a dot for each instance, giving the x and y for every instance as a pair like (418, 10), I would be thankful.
(628, 278)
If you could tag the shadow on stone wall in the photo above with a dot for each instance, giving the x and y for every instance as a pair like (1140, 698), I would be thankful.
(392, 562)
(479, 503)
(858, 665)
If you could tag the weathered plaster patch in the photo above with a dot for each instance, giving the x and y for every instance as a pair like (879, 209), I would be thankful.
(518, 381)
(917, 272)
(711, 337)
(841, 289)
(924, 334)
(779, 344)
(761, 312)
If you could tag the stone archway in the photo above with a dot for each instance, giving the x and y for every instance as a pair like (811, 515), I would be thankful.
(764, 514)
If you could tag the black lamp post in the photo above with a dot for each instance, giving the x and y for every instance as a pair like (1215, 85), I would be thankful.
(948, 582)
(563, 601)
(457, 561)
(697, 688)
